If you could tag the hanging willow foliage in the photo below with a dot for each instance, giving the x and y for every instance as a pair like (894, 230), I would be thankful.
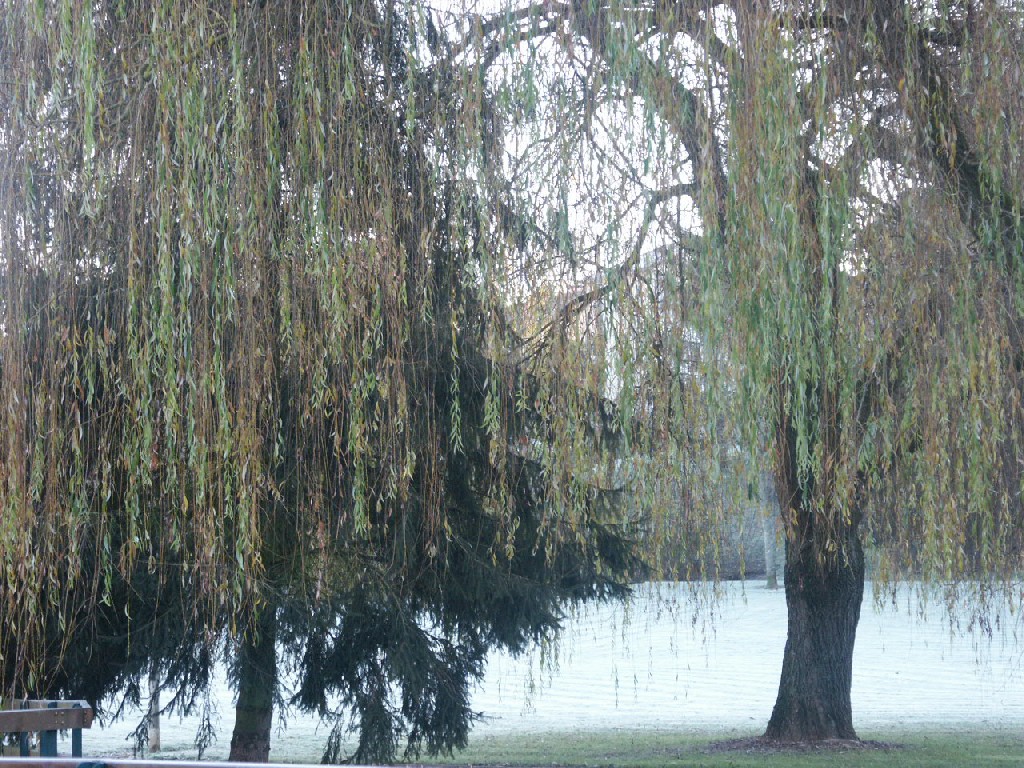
(253, 347)
(795, 232)
(809, 212)
(300, 257)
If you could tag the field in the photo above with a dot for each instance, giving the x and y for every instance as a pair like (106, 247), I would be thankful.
(653, 749)
(948, 747)
(651, 683)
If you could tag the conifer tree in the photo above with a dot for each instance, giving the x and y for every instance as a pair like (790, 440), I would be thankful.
(256, 388)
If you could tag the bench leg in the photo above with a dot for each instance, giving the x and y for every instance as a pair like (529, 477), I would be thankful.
(48, 744)
(23, 742)
(76, 738)
(48, 739)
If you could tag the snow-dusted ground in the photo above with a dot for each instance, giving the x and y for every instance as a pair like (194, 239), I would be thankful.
(650, 665)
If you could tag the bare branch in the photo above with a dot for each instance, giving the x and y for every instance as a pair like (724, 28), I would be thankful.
(578, 304)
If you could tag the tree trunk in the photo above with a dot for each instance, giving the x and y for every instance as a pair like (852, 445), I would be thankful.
(770, 566)
(769, 515)
(257, 682)
(823, 600)
(153, 722)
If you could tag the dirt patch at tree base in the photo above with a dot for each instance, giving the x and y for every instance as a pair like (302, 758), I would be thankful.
(761, 746)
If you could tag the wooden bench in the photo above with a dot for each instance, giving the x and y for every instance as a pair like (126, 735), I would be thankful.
(46, 717)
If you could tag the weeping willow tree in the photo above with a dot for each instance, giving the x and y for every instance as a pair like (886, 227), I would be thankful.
(791, 232)
(320, 324)
(258, 384)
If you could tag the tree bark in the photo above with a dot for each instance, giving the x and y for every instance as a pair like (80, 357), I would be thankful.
(769, 516)
(823, 598)
(153, 721)
(770, 566)
(257, 682)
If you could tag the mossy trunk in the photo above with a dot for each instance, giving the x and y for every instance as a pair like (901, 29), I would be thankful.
(257, 682)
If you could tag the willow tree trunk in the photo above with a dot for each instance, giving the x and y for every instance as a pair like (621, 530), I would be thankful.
(257, 682)
(823, 598)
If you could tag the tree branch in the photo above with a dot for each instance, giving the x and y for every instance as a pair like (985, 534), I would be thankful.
(575, 306)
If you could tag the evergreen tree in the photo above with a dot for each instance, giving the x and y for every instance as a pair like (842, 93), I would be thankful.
(256, 386)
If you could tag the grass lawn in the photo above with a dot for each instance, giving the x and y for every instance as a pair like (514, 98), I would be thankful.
(646, 749)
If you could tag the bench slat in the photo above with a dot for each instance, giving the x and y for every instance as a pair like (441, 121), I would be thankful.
(60, 718)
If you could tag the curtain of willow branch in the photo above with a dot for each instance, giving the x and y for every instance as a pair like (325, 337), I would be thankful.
(854, 177)
(222, 290)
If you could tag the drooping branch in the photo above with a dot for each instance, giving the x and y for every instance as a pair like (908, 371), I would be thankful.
(943, 138)
(681, 109)
(572, 309)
